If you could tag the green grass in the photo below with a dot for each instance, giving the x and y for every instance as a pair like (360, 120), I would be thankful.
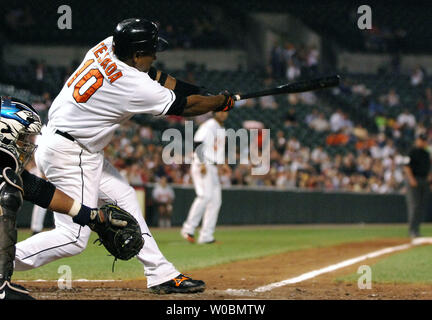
(412, 266)
(235, 243)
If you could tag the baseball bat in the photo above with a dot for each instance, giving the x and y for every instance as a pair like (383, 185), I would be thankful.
(295, 87)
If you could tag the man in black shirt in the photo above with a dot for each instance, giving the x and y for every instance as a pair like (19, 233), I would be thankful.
(417, 172)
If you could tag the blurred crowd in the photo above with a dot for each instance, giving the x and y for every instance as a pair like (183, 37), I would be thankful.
(384, 38)
(201, 32)
(351, 156)
(348, 157)
(291, 61)
(390, 112)
(372, 167)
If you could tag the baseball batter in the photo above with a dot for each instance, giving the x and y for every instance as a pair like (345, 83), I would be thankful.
(114, 82)
(209, 141)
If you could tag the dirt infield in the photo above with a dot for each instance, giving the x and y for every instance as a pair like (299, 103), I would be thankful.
(245, 276)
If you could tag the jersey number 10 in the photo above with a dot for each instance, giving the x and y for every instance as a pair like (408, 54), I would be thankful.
(82, 98)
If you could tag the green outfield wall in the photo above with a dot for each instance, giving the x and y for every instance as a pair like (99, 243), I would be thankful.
(273, 206)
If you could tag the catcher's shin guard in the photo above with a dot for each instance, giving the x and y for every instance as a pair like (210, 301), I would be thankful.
(10, 203)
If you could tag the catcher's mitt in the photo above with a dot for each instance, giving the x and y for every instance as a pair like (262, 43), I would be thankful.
(118, 231)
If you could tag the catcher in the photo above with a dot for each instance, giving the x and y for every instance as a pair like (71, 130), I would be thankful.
(19, 124)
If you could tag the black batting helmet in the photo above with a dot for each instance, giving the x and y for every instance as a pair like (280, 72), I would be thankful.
(137, 35)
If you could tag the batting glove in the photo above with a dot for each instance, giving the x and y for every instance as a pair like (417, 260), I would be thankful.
(228, 103)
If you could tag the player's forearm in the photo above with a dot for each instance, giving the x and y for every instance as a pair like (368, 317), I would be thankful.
(196, 104)
(170, 82)
(44, 194)
(61, 202)
(189, 102)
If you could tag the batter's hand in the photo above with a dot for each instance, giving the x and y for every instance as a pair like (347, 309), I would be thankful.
(228, 103)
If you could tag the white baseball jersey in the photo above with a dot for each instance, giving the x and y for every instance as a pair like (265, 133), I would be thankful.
(95, 100)
(103, 93)
(212, 136)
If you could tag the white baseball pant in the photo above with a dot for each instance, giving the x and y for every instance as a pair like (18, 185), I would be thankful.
(207, 202)
(85, 176)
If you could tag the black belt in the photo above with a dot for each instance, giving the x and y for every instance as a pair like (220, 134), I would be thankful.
(65, 134)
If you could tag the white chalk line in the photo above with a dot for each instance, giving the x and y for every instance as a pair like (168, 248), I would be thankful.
(340, 265)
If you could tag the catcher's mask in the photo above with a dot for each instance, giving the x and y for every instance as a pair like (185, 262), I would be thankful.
(19, 125)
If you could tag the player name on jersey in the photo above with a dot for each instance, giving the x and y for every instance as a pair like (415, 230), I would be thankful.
(106, 63)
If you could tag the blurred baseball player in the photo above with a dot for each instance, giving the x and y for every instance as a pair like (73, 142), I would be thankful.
(114, 82)
(19, 124)
(209, 142)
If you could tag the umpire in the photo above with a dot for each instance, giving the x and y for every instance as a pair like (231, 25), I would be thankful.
(417, 172)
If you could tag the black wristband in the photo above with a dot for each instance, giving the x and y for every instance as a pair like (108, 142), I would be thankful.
(83, 216)
(152, 73)
(162, 79)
